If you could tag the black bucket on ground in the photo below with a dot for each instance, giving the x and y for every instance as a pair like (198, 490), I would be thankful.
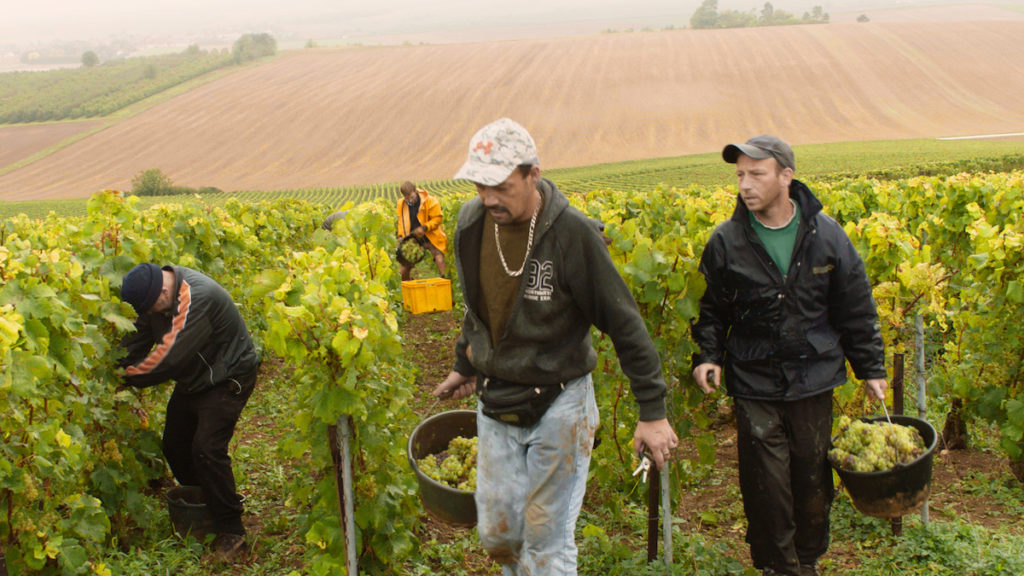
(900, 490)
(432, 436)
(189, 513)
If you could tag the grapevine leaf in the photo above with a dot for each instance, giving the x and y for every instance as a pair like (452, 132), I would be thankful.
(1015, 291)
(121, 323)
(1014, 425)
(266, 282)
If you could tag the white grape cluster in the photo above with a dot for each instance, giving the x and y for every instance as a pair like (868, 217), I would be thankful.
(872, 446)
(455, 467)
(412, 251)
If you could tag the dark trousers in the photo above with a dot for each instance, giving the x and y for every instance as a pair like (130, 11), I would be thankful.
(785, 479)
(197, 432)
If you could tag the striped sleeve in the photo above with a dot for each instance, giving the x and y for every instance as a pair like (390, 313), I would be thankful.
(176, 349)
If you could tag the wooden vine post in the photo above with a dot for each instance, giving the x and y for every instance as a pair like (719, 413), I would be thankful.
(897, 408)
(658, 494)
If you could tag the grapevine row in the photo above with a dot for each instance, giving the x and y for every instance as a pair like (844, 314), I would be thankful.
(77, 454)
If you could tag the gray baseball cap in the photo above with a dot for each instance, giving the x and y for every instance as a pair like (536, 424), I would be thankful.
(495, 151)
(761, 147)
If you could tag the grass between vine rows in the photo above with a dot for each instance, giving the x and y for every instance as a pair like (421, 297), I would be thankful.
(881, 159)
(975, 506)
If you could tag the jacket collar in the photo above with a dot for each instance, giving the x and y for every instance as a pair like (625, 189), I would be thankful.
(809, 204)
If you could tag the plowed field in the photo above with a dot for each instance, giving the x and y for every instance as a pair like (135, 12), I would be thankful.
(353, 116)
(20, 142)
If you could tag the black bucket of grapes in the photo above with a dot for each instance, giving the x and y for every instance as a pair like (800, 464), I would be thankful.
(410, 251)
(432, 436)
(189, 514)
(900, 490)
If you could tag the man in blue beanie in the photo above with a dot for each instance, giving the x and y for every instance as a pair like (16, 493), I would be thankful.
(190, 331)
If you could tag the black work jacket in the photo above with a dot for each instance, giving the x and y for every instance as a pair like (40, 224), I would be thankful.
(200, 343)
(785, 337)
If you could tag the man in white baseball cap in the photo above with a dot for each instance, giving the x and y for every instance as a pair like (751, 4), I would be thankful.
(536, 275)
(496, 150)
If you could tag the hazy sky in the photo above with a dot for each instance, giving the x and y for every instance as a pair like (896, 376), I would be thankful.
(38, 21)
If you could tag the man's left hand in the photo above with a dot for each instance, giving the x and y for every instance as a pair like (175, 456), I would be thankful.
(876, 388)
(659, 438)
(419, 231)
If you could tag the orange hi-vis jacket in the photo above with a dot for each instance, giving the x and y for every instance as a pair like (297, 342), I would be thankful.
(430, 218)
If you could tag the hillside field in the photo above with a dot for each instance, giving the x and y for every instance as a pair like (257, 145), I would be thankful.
(336, 117)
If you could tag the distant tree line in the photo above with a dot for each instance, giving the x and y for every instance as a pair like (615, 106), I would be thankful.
(153, 182)
(70, 52)
(253, 46)
(102, 88)
(708, 16)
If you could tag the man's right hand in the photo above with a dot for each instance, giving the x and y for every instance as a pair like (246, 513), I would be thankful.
(708, 376)
(456, 386)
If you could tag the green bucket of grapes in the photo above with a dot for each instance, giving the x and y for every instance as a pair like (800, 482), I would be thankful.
(439, 452)
(903, 486)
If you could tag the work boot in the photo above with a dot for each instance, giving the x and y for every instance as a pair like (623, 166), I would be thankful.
(774, 572)
(809, 570)
(230, 548)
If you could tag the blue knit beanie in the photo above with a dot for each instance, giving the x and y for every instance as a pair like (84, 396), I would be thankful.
(141, 286)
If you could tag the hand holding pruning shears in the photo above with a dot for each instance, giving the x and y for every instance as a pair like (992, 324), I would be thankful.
(455, 386)
(708, 376)
(656, 438)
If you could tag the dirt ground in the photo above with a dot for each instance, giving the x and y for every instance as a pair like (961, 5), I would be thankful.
(430, 339)
(20, 142)
(336, 117)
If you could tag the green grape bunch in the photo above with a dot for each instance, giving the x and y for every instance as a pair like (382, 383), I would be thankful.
(454, 467)
(874, 446)
(412, 251)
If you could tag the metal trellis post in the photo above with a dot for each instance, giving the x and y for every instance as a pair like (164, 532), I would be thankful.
(339, 436)
(922, 388)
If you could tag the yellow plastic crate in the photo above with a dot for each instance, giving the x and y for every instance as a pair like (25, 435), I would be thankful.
(428, 295)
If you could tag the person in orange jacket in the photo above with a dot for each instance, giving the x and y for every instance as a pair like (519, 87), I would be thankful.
(419, 215)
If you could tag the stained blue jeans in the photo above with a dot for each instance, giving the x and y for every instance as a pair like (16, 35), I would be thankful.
(530, 484)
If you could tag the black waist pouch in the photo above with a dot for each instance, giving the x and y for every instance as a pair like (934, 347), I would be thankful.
(517, 404)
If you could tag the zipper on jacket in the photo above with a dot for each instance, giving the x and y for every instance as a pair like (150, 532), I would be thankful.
(210, 368)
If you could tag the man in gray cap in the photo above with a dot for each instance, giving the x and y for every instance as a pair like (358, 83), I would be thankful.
(189, 330)
(787, 303)
(536, 275)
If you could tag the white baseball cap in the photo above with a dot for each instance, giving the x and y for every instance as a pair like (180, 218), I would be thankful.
(495, 151)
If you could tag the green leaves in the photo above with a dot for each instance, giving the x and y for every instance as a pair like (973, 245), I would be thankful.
(327, 304)
(60, 321)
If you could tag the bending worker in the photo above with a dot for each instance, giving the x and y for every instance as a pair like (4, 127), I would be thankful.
(190, 331)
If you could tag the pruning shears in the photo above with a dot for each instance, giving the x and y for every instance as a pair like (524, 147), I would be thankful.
(645, 464)
(442, 396)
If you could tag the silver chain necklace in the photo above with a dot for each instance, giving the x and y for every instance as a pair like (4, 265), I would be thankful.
(529, 244)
